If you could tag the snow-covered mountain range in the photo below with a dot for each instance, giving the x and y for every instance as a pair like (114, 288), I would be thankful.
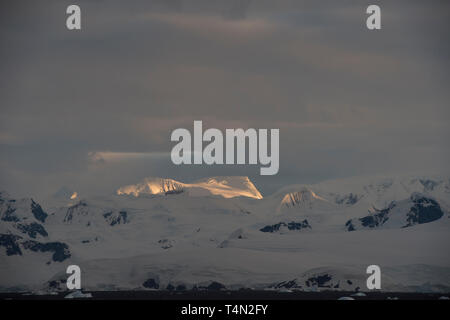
(227, 187)
(220, 232)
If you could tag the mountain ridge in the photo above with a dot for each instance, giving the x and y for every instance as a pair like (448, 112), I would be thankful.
(180, 237)
(227, 187)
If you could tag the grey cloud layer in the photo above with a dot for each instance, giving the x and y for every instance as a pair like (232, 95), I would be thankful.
(347, 101)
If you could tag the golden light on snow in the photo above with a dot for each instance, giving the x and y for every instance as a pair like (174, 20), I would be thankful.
(227, 187)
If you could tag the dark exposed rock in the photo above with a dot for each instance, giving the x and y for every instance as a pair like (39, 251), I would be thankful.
(8, 215)
(428, 184)
(373, 221)
(37, 211)
(348, 199)
(9, 241)
(165, 243)
(121, 218)
(287, 284)
(57, 284)
(215, 286)
(71, 210)
(298, 225)
(291, 226)
(32, 229)
(350, 226)
(424, 210)
(319, 281)
(60, 250)
(107, 214)
(176, 191)
(170, 287)
(8, 210)
(24, 226)
(151, 284)
(180, 287)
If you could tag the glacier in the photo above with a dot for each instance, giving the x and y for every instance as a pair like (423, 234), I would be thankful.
(220, 232)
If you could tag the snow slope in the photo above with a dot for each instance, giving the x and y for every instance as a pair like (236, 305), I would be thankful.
(164, 234)
(227, 187)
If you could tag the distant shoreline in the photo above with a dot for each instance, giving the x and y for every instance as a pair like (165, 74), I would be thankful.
(227, 295)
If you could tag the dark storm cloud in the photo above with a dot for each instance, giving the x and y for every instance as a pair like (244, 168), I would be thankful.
(347, 100)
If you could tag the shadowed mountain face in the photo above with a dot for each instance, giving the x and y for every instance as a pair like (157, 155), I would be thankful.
(220, 233)
(279, 227)
(417, 209)
(424, 210)
(22, 230)
(227, 187)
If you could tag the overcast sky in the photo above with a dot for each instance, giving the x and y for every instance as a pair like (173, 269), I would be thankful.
(94, 109)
